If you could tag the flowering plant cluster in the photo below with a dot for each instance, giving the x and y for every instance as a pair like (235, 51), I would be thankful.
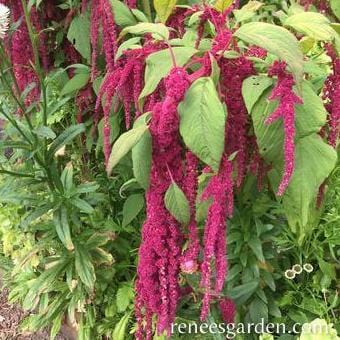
(197, 99)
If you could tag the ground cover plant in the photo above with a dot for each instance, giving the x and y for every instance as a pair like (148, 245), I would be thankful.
(166, 162)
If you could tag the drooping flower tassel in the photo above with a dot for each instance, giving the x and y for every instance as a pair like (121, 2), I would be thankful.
(189, 263)
(109, 34)
(220, 189)
(22, 55)
(233, 73)
(94, 31)
(160, 251)
(331, 95)
(283, 91)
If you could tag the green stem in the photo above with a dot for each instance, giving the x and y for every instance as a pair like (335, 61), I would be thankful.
(15, 124)
(16, 174)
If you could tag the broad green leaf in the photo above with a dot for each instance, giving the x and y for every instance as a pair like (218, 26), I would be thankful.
(164, 8)
(140, 16)
(159, 31)
(222, 5)
(126, 45)
(258, 311)
(306, 44)
(309, 118)
(142, 154)
(242, 293)
(202, 122)
(314, 25)
(311, 115)
(122, 14)
(84, 266)
(79, 35)
(65, 137)
(159, 64)
(314, 161)
(252, 89)
(124, 297)
(141, 160)
(77, 82)
(177, 204)
(276, 40)
(247, 11)
(120, 328)
(335, 6)
(62, 226)
(256, 246)
(123, 145)
(132, 206)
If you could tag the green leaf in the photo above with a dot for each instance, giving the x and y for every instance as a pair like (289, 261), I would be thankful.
(132, 206)
(79, 35)
(126, 45)
(82, 205)
(202, 122)
(45, 132)
(247, 11)
(87, 188)
(269, 280)
(65, 137)
(177, 204)
(62, 226)
(222, 5)
(256, 246)
(159, 31)
(77, 82)
(327, 269)
(124, 144)
(164, 8)
(314, 161)
(310, 117)
(242, 293)
(141, 159)
(140, 16)
(122, 14)
(258, 311)
(314, 25)
(124, 297)
(4, 144)
(276, 40)
(252, 89)
(120, 328)
(84, 266)
(159, 64)
(335, 6)
(35, 214)
(67, 177)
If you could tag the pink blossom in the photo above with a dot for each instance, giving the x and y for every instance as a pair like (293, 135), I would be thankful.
(233, 73)
(189, 259)
(228, 310)
(160, 251)
(331, 94)
(283, 91)
(220, 189)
